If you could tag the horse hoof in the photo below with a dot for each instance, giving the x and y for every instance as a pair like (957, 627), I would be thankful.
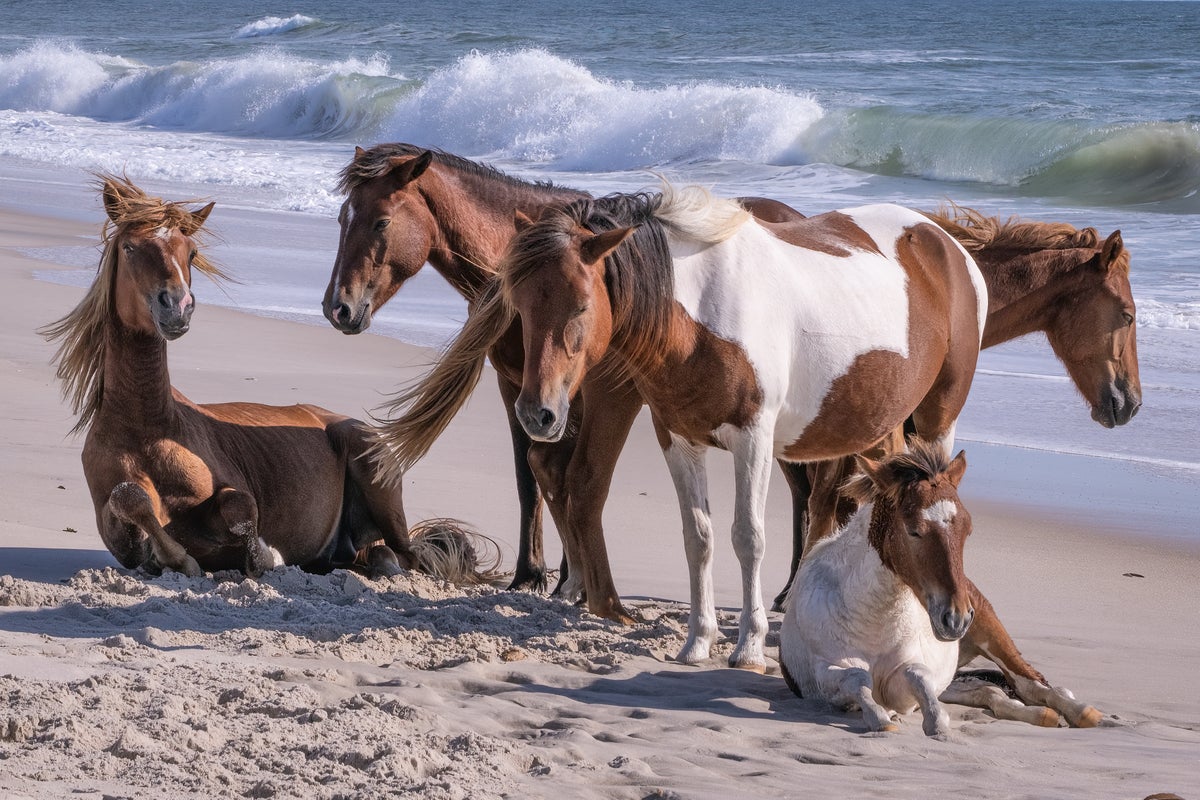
(761, 669)
(1047, 719)
(891, 727)
(1090, 718)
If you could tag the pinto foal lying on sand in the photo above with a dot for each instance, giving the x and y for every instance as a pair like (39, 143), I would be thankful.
(877, 610)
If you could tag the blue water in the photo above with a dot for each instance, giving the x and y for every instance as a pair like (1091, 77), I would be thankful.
(1086, 112)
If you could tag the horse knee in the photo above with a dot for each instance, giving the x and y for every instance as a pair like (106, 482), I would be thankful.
(130, 502)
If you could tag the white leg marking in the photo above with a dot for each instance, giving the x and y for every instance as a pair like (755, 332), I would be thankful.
(752, 474)
(686, 463)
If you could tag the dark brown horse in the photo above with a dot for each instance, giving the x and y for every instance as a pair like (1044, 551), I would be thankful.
(1043, 277)
(406, 206)
(204, 487)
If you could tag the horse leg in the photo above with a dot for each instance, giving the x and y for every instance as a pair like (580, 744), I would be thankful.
(796, 475)
(384, 503)
(752, 475)
(935, 721)
(981, 694)
(688, 471)
(850, 687)
(608, 415)
(240, 512)
(530, 570)
(131, 504)
(988, 637)
(548, 464)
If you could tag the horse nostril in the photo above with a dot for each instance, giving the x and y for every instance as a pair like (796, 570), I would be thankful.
(164, 299)
(341, 312)
(546, 418)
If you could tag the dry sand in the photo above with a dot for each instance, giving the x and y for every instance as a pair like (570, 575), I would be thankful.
(121, 685)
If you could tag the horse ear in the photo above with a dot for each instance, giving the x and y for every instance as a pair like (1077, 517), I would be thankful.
(521, 220)
(358, 152)
(874, 470)
(1113, 246)
(598, 247)
(196, 220)
(957, 467)
(406, 169)
(112, 200)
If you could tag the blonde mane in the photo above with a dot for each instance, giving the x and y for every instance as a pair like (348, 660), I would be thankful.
(83, 332)
(696, 213)
(975, 232)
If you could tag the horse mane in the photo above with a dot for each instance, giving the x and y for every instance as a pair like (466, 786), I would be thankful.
(426, 406)
(921, 462)
(696, 213)
(82, 332)
(976, 232)
(377, 161)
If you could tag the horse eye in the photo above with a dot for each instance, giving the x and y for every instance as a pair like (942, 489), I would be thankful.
(128, 248)
(383, 223)
(579, 312)
(1128, 318)
(914, 533)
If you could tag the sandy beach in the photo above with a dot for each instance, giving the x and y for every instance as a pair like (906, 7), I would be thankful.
(117, 684)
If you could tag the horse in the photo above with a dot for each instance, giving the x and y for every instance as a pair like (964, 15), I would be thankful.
(879, 607)
(407, 205)
(1046, 277)
(194, 487)
(771, 341)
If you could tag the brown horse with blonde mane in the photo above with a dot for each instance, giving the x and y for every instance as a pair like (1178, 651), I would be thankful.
(195, 487)
(1046, 277)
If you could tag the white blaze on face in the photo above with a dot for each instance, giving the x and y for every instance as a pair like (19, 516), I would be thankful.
(162, 233)
(187, 290)
(941, 512)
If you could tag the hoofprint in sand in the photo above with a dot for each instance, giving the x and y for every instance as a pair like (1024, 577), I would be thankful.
(124, 685)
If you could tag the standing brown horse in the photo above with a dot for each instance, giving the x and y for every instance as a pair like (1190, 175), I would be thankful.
(1042, 277)
(406, 206)
(190, 487)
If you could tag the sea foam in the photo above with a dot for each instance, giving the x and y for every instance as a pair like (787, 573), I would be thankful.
(270, 26)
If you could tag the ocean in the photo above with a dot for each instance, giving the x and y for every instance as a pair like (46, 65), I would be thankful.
(1086, 112)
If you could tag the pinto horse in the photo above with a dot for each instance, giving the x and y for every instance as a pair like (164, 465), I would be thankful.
(773, 342)
(405, 206)
(1043, 277)
(879, 607)
(204, 487)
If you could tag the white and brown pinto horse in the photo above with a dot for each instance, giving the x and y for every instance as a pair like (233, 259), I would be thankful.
(204, 487)
(871, 621)
(1071, 285)
(799, 348)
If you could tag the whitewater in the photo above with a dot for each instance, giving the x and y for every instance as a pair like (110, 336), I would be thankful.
(1085, 112)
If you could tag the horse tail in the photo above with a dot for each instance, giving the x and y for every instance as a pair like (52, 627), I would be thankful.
(416, 415)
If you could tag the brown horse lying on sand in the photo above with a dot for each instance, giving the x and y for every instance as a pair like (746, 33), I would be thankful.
(875, 618)
(204, 487)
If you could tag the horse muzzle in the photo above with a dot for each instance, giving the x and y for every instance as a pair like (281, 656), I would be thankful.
(172, 314)
(1117, 405)
(949, 624)
(347, 318)
(540, 421)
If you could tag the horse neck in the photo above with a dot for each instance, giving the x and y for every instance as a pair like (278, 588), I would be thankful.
(1024, 289)
(474, 214)
(137, 386)
(866, 585)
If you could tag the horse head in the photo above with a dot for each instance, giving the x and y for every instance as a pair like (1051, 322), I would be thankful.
(387, 231)
(154, 252)
(1095, 335)
(554, 278)
(919, 526)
